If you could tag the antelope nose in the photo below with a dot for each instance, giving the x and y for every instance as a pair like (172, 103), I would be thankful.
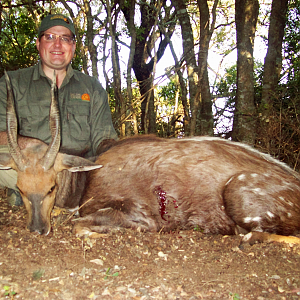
(39, 231)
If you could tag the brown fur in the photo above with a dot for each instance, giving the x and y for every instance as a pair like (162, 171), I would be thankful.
(210, 184)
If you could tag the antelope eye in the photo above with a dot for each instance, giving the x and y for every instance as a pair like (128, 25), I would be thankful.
(51, 190)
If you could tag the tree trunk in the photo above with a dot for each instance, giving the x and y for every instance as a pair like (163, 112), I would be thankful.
(132, 31)
(143, 62)
(202, 117)
(183, 88)
(189, 57)
(244, 124)
(273, 59)
(272, 69)
(184, 100)
(120, 103)
(90, 38)
(148, 117)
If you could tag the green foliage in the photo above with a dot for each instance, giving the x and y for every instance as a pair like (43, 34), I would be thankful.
(17, 40)
(130, 106)
(107, 274)
(291, 44)
(234, 296)
(8, 291)
(227, 83)
(167, 93)
(168, 111)
(139, 33)
(197, 228)
(77, 61)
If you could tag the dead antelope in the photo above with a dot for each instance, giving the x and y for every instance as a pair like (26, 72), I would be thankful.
(147, 183)
(40, 167)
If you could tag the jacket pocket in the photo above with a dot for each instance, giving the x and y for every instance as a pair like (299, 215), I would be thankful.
(78, 120)
(34, 120)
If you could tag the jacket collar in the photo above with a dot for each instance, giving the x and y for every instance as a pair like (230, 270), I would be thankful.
(39, 72)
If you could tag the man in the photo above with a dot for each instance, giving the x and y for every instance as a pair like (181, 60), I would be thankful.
(85, 115)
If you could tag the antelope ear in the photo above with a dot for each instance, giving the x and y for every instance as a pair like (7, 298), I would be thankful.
(6, 162)
(74, 163)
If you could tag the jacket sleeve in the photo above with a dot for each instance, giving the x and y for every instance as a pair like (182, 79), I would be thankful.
(100, 121)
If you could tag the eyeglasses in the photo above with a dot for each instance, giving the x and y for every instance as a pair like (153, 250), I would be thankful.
(65, 39)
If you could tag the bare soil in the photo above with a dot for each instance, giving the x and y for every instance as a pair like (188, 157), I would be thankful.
(137, 265)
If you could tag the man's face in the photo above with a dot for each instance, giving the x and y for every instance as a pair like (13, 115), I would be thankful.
(56, 54)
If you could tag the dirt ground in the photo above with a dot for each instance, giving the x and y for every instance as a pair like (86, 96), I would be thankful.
(136, 265)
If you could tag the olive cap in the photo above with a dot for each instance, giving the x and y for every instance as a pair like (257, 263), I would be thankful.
(56, 20)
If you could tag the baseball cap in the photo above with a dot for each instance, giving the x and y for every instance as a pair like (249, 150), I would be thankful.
(56, 20)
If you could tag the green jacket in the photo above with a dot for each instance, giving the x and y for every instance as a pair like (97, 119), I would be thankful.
(83, 104)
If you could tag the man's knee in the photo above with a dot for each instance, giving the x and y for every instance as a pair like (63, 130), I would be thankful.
(8, 178)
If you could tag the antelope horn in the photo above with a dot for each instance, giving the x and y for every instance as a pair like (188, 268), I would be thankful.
(47, 161)
(11, 129)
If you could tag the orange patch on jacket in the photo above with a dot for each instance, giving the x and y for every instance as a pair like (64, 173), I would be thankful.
(85, 97)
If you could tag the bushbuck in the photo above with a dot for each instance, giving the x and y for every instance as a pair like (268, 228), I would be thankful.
(148, 183)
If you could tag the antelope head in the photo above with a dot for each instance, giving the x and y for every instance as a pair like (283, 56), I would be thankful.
(38, 164)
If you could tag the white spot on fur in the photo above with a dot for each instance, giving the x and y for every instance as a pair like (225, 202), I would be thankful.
(250, 219)
(289, 215)
(259, 191)
(242, 177)
(256, 219)
(254, 175)
(271, 215)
